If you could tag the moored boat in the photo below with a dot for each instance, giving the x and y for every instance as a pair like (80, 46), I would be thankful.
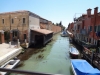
(10, 65)
(82, 67)
(74, 53)
(64, 34)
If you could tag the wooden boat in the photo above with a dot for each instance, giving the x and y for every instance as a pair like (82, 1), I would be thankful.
(74, 53)
(10, 65)
(82, 67)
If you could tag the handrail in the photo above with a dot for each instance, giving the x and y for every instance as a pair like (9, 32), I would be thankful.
(25, 72)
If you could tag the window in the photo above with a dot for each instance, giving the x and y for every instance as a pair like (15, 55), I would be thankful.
(99, 28)
(3, 21)
(78, 27)
(94, 28)
(90, 40)
(12, 21)
(24, 36)
(90, 28)
(23, 20)
(15, 33)
(87, 39)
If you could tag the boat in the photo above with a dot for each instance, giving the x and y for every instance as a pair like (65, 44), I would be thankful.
(10, 65)
(82, 67)
(64, 34)
(74, 53)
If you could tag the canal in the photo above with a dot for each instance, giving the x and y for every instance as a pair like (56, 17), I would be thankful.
(53, 58)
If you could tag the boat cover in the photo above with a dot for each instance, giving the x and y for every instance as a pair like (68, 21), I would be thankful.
(82, 67)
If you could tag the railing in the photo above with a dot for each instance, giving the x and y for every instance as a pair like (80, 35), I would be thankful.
(24, 72)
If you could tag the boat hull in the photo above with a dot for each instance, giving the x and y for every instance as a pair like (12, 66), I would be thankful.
(74, 54)
(10, 65)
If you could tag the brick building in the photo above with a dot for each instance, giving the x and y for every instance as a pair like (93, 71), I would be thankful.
(87, 27)
(16, 25)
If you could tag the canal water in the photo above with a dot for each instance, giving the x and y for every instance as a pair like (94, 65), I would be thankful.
(53, 58)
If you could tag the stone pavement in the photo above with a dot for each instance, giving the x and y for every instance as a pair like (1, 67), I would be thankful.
(7, 52)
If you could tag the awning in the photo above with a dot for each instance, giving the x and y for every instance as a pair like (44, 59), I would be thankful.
(43, 31)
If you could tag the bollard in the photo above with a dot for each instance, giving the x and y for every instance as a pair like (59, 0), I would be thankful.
(18, 40)
(25, 41)
(9, 44)
(18, 44)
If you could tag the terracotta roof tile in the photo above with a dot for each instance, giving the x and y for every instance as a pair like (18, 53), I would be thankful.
(43, 31)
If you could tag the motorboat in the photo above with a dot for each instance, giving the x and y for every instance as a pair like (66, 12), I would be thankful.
(82, 67)
(74, 53)
(64, 34)
(10, 65)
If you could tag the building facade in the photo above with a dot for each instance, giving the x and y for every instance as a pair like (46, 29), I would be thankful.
(16, 25)
(87, 27)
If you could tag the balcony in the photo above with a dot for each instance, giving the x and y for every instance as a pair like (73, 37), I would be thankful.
(78, 22)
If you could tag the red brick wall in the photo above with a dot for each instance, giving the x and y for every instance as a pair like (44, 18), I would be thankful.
(53, 28)
(71, 25)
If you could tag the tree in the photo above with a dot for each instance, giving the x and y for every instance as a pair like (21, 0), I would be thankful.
(56, 24)
(60, 24)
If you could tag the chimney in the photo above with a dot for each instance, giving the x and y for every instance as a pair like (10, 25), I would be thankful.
(89, 12)
(95, 10)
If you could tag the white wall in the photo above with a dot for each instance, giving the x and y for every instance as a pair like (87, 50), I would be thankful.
(34, 23)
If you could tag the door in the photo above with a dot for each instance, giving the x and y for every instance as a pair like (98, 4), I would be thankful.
(24, 36)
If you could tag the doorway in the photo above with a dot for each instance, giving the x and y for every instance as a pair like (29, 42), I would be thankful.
(39, 40)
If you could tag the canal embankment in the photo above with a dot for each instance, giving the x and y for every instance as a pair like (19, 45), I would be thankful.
(8, 52)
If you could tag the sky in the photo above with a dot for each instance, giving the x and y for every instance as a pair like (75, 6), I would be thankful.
(52, 10)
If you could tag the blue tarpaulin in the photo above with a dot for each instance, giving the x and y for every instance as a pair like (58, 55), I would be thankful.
(82, 67)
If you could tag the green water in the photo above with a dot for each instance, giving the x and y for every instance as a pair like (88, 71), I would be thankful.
(56, 58)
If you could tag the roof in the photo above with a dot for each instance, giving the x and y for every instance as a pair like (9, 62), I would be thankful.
(43, 31)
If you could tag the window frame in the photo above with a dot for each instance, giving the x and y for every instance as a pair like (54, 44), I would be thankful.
(12, 20)
(24, 19)
(3, 21)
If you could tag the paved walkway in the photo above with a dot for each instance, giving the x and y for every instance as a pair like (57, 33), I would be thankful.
(4, 49)
(7, 52)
